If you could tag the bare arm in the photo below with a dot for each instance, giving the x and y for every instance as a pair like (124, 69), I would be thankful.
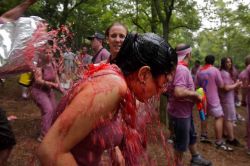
(233, 86)
(79, 118)
(16, 12)
(57, 80)
(181, 92)
(39, 79)
(117, 157)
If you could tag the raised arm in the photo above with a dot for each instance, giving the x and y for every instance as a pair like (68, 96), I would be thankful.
(97, 100)
(16, 12)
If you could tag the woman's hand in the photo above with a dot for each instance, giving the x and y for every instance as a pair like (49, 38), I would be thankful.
(238, 83)
(58, 87)
(62, 90)
(118, 158)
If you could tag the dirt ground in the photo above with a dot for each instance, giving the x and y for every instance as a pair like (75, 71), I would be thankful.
(26, 129)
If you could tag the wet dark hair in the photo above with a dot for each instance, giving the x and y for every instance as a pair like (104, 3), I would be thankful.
(115, 24)
(223, 65)
(209, 59)
(146, 49)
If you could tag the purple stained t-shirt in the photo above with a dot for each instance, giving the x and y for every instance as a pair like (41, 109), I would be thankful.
(245, 76)
(180, 107)
(227, 96)
(102, 55)
(210, 80)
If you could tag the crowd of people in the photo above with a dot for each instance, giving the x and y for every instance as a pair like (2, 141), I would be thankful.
(104, 96)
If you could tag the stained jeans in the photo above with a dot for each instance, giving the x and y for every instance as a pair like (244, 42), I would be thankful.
(45, 100)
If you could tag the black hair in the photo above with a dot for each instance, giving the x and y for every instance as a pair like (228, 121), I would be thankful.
(146, 49)
(209, 59)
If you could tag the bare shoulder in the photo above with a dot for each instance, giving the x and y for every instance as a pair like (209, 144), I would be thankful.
(113, 81)
(105, 88)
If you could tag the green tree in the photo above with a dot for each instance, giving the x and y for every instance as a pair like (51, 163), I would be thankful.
(231, 36)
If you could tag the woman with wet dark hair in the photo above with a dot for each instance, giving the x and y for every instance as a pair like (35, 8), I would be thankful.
(227, 99)
(99, 112)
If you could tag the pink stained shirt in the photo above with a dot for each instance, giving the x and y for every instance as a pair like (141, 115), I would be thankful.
(245, 76)
(210, 80)
(180, 107)
(101, 56)
(227, 96)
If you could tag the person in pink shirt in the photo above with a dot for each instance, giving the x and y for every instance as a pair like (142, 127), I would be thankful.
(227, 99)
(245, 78)
(243, 90)
(209, 78)
(46, 80)
(100, 53)
(181, 101)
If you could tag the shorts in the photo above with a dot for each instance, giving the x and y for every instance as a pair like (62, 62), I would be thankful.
(229, 111)
(7, 138)
(216, 112)
(184, 132)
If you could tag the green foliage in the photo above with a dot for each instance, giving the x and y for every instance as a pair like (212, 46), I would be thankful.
(231, 37)
(176, 20)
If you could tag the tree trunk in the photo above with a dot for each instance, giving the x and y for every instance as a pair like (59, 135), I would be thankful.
(165, 27)
(154, 18)
(65, 12)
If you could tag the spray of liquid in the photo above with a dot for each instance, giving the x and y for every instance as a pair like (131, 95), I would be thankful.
(131, 122)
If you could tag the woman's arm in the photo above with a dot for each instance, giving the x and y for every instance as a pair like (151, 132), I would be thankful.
(97, 100)
(38, 75)
(39, 79)
(230, 87)
(16, 12)
(117, 157)
(58, 84)
(181, 92)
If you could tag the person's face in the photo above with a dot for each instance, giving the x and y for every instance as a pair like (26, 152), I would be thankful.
(49, 54)
(117, 34)
(95, 43)
(162, 81)
(228, 64)
(84, 50)
(148, 86)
